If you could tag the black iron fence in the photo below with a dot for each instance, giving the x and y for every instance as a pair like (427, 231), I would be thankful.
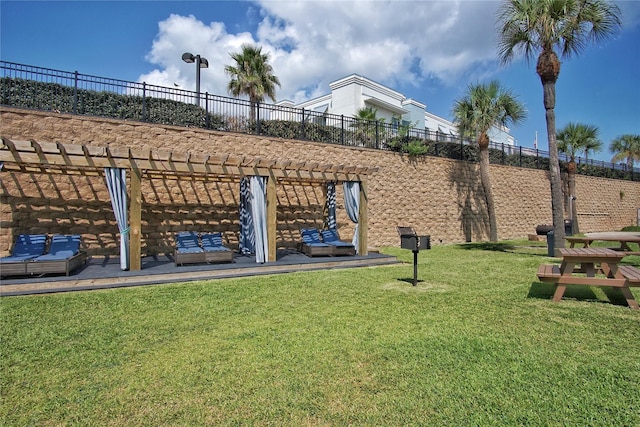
(46, 89)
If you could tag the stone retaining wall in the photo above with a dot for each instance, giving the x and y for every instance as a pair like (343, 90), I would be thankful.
(436, 196)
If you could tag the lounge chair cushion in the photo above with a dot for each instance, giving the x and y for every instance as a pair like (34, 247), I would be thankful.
(62, 247)
(311, 237)
(311, 244)
(187, 242)
(27, 246)
(212, 242)
(331, 237)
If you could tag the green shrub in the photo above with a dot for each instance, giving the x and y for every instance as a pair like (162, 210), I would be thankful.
(416, 148)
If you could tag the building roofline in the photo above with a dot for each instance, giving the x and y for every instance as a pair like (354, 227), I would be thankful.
(435, 117)
(367, 83)
(326, 97)
(411, 101)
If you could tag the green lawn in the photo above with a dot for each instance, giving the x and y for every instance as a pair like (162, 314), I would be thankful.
(477, 342)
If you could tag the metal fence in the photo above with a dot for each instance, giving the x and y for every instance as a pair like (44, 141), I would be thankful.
(38, 88)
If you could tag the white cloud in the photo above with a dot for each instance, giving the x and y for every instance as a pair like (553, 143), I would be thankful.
(312, 43)
(630, 10)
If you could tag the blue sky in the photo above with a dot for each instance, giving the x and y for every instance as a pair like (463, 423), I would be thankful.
(428, 50)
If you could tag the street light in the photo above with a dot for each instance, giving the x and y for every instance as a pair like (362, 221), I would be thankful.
(189, 58)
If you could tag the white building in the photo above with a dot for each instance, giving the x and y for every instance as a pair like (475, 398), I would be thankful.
(354, 92)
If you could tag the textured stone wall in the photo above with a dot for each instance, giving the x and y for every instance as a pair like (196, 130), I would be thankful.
(440, 197)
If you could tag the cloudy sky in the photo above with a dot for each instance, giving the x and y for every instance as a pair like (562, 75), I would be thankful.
(428, 50)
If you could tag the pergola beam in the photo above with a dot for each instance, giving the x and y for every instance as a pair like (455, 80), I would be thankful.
(84, 156)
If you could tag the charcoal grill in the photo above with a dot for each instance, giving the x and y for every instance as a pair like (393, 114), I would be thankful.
(409, 239)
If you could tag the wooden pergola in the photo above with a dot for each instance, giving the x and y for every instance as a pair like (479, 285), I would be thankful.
(59, 158)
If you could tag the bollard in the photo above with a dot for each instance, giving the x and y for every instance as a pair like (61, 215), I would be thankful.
(550, 244)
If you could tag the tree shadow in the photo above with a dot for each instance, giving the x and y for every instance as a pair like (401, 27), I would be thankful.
(474, 218)
(488, 246)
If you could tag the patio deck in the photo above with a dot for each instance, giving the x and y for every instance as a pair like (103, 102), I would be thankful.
(105, 272)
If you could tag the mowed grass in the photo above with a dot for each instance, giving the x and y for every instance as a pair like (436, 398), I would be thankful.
(477, 342)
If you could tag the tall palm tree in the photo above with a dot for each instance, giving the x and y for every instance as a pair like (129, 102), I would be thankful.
(483, 107)
(575, 139)
(251, 75)
(626, 148)
(539, 27)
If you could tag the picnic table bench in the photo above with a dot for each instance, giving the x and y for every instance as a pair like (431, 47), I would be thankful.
(597, 267)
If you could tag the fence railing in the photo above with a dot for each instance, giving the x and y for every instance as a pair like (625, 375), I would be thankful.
(38, 88)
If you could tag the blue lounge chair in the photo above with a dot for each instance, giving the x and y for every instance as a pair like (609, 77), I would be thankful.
(64, 256)
(25, 248)
(188, 250)
(214, 249)
(312, 245)
(332, 238)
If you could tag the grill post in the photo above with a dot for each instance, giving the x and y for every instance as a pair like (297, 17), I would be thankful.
(415, 268)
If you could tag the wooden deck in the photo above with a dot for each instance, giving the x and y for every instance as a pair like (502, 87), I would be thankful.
(105, 273)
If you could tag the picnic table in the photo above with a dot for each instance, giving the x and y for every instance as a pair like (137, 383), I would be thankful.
(591, 267)
(622, 237)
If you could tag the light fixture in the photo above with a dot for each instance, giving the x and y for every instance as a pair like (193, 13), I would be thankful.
(201, 62)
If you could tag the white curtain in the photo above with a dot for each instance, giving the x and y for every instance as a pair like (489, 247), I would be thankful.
(259, 214)
(352, 206)
(117, 184)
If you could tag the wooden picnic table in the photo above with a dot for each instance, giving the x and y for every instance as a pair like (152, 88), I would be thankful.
(591, 267)
(624, 238)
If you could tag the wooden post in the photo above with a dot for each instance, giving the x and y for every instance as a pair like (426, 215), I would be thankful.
(272, 204)
(363, 219)
(135, 219)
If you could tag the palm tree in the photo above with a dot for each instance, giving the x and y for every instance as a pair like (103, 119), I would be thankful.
(251, 75)
(573, 140)
(366, 122)
(626, 148)
(483, 107)
(539, 27)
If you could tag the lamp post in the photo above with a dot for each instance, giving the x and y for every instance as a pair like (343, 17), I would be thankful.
(201, 62)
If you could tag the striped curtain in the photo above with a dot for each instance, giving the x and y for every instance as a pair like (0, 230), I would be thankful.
(247, 235)
(331, 206)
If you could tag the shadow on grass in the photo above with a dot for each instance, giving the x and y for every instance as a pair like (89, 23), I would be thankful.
(488, 246)
(578, 293)
(507, 247)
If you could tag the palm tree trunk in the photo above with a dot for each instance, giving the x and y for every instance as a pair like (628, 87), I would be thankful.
(557, 205)
(548, 68)
(488, 194)
(571, 181)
